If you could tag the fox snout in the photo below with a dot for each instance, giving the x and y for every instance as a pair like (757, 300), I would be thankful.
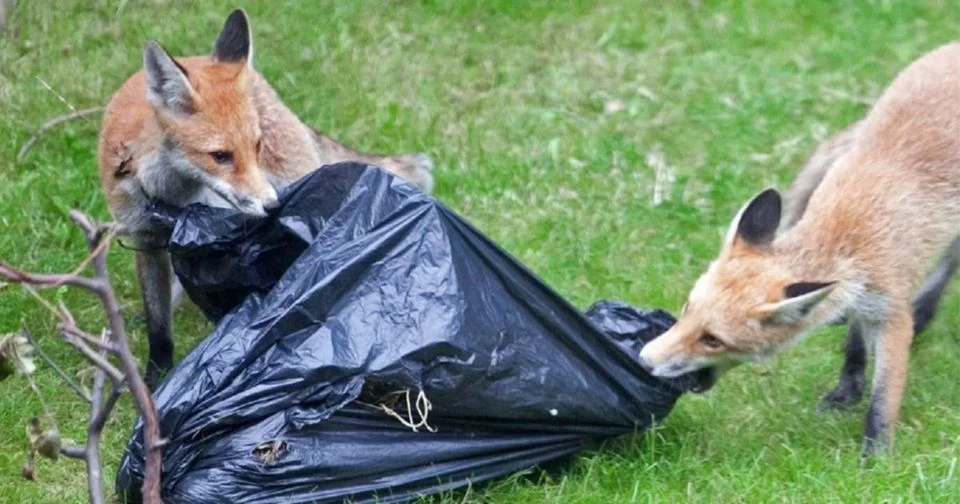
(683, 375)
(660, 360)
(259, 205)
(671, 367)
(254, 206)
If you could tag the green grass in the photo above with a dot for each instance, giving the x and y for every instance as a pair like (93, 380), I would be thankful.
(509, 98)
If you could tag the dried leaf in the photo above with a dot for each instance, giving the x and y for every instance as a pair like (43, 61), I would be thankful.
(45, 440)
(268, 451)
(16, 355)
(29, 470)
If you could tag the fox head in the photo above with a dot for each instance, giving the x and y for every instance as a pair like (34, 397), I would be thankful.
(745, 307)
(208, 118)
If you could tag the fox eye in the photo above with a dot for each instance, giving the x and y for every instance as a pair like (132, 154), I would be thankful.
(259, 145)
(710, 341)
(221, 157)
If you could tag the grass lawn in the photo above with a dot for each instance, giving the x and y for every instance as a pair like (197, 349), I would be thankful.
(549, 123)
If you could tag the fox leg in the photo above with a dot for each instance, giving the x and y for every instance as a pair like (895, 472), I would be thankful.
(892, 340)
(849, 389)
(926, 301)
(155, 274)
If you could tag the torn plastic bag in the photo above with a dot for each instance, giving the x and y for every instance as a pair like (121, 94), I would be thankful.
(372, 346)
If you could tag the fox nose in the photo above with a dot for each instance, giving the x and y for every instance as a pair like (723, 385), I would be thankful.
(644, 363)
(271, 203)
(271, 200)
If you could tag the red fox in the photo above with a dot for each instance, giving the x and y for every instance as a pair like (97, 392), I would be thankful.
(207, 129)
(870, 210)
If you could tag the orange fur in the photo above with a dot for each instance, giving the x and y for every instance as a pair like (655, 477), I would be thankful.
(210, 130)
(888, 201)
(234, 109)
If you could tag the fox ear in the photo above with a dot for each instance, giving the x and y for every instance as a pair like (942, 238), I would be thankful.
(756, 223)
(168, 87)
(800, 299)
(235, 42)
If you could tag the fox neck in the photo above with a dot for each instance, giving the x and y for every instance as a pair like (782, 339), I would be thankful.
(807, 258)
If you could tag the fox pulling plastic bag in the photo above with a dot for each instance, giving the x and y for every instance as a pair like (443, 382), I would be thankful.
(372, 346)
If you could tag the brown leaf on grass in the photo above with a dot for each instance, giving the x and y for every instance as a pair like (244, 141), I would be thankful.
(29, 470)
(44, 439)
(16, 355)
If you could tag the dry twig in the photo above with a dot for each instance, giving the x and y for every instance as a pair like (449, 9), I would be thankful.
(113, 340)
(53, 123)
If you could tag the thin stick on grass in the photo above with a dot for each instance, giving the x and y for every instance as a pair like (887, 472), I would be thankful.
(843, 95)
(113, 340)
(53, 123)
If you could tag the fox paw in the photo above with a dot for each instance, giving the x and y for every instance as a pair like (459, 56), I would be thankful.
(842, 397)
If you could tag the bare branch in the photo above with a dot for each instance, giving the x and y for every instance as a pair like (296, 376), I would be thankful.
(73, 451)
(113, 339)
(64, 315)
(104, 243)
(100, 362)
(73, 115)
(86, 337)
(63, 375)
(99, 411)
(141, 394)
(53, 123)
(44, 280)
(93, 231)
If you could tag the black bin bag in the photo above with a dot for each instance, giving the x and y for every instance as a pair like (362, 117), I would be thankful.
(360, 295)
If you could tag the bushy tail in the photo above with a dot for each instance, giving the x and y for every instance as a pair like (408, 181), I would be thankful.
(416, 168)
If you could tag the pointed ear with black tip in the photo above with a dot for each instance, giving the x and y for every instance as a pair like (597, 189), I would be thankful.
(800, 299)
(235, 42)
(757, 221)
(168, 86)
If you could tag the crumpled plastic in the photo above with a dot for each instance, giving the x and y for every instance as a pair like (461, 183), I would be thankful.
(372, 346)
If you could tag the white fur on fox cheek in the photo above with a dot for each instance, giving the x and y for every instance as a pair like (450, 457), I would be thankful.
(170, 176)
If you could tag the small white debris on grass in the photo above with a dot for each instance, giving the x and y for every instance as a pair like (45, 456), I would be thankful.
(554, 412)
(569, 194)
(646, 93)
(664, 177)
(614, 106)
